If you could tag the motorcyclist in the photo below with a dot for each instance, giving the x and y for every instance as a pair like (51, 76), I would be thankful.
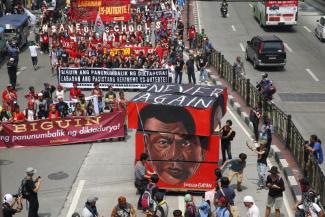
(224, 4)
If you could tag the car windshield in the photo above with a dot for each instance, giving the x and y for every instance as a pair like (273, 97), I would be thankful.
(273, 46)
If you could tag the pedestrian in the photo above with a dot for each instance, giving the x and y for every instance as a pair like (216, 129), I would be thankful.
(123, 209)
(33, 53)
(238, 67)
(9, 98)
(191, 69)
(222, 208)
(255, 116)
(275, 196)
(190, 208)
(40, 101)
(141, 176)
(225, 191)
(252, 209)
(11, 205)
(308, 206)
(191, 37)
(62, 107)
(75, 92)
(204, 208)
(162, 208)
(17, 115)
(29, 112)
(261, 152)
(12, 72)
(29, 189)
(227, 135)
(315, 148)
(177, 213)
(201, 64)
(236, 168)
(179, 67)
(90, 209)
(266, 134)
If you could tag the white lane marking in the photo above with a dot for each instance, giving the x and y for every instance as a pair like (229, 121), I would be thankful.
(285, 199)
(242, 47)
(181, 203)
(312, 75)
(18, 73)
(287, 47)
(76, 198)
(198, 16)
(233, 28)
(250, 5)
(307, 29)
(23, 68)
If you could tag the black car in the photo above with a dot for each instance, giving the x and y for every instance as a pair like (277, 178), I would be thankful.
(266, 51)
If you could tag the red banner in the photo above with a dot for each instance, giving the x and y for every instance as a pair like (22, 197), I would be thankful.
(183, 167)
(109, 11)
(63, 131)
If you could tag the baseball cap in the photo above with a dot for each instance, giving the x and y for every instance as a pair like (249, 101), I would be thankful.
(248, 199)
(92, 199)
(30, 170)
(8, 198)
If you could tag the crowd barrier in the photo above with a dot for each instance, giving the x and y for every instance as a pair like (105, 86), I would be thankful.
(282, 123)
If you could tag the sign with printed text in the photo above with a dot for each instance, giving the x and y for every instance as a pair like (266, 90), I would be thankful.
(117, 78)
(63, 131)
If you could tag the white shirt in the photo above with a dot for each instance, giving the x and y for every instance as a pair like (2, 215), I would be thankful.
(253, 211)
(33, 50)
(312, 210)
(30, 115)
(86, 213)
(59, 93)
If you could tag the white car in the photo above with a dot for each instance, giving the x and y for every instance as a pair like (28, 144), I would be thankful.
(320, 29)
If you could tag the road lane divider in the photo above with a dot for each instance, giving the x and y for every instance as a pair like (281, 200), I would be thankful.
(233, 28)
(76, 197)
(307, 29)
(312, 75)
(242, 47)
(287, 47)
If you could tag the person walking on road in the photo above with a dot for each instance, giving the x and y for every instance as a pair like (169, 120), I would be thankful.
(239, 67)
(236, 168)
(201, 64)
(261, 152)
(275, 196)
(179, 66)
(141, 176)
(227, 135)
(33, 53)
(90, 209)
(252, 209)
(123, 209)
(12, 72)
(29, 189)
(190, 66)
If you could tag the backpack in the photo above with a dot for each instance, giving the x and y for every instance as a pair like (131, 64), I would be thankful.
(147, 201)
(191, 210)
(232, 135)
(23, 189)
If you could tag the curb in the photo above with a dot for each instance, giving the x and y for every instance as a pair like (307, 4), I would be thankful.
(283, 164)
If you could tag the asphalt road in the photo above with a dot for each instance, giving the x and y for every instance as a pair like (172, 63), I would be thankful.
(71, 173)
(301, 85)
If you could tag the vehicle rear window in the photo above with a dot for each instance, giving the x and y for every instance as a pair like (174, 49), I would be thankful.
(273, 46)
(10, 30)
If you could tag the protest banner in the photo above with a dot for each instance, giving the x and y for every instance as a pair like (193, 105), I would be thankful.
(109, 10)
(117, 78)
(63, 131)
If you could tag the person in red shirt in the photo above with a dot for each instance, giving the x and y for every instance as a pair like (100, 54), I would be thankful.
(9, 97)
(75, 92)
(17, 115)
(191, 36)
(31, 96)
(45, 42)
(53, 114)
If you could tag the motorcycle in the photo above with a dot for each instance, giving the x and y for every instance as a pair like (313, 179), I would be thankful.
(224, 11)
